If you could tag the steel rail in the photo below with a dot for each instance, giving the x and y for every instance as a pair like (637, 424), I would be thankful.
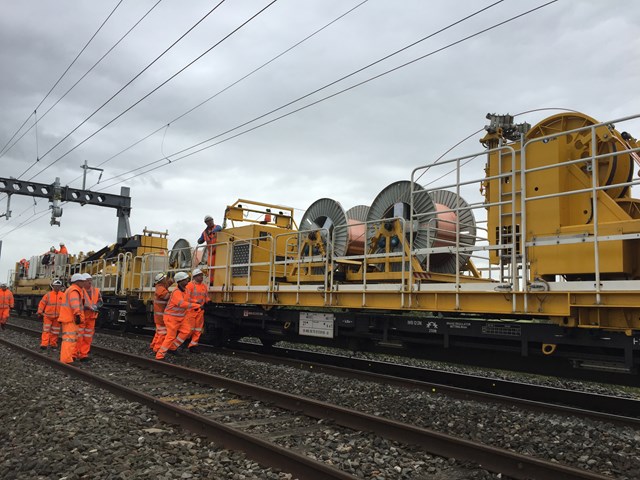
(595, 403)
(490, 458)
(263, 452)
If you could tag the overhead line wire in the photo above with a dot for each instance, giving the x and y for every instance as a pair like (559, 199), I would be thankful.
(123, 87)
(2, 152)
(79, 80)
(234, 83)
(315, 102)
(177, 73)
(152, 91)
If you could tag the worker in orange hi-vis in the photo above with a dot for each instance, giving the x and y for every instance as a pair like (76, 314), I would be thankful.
(49, 311)
(86, 330)
(6, 304)
(178, 328)
(63, 250)
(160, 300)
(210, 236)
(71, 315)
(197, 291)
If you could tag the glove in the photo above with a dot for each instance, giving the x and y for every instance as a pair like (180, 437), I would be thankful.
(94, 308)
(78, 319)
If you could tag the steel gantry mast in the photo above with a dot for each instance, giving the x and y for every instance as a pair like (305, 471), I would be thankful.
(57, 194)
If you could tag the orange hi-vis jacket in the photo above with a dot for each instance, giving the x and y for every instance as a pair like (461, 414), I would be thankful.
(210, 236)
(160, 300)
(91, 299)
(178, 305)
(197, 293)
(50, 304)
(6, 299)
(72, 305)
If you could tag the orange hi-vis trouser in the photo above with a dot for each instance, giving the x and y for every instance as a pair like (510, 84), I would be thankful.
(178, 330)
(50, 331)
(161, 332)
(69, 337)
(4, 314)
(86, 329)
(196, 321)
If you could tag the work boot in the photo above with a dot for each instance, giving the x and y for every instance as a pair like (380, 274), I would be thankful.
(174, 352)
(84, 359)
(194, 349)
(3, 326)
(43, 347)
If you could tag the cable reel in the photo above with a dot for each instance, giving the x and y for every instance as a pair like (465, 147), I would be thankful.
(180, 256)
(446, 223)
(391, 204)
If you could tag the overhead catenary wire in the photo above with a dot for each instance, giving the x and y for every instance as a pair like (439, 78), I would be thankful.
(163, 83)
(152, 91)
(186, 155)
(2, 151)
(268, 62)
(78, 81)
(236, 82)
(316, 90)
(335, 94)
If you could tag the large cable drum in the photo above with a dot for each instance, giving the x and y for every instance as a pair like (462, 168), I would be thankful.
(395, 201)
(180, 255)
(452, 213)
(324, 216)
(357, 216)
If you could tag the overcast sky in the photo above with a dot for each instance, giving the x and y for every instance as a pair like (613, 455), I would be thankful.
(575, 54)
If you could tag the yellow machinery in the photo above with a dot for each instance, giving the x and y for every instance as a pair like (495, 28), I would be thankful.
(565, 184)
(529, 244)
(121, 270)
(562, 215)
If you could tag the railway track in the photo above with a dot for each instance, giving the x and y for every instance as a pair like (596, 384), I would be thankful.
(270, 426)
(596, 406)
(541, 398)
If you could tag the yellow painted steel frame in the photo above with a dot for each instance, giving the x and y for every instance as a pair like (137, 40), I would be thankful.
(566, 229)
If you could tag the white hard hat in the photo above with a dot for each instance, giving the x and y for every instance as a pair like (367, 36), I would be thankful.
(159, 277)
(56, 283)
(61, 244)
(197, 271)
(180, 276)
(86, 276)
(77, 277)
(208, 217)
(3, 284)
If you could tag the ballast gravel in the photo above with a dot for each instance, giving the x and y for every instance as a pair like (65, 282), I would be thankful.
(595, 446)
(57, 427)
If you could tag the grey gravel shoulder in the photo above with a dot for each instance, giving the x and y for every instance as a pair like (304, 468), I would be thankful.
(56, 427)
